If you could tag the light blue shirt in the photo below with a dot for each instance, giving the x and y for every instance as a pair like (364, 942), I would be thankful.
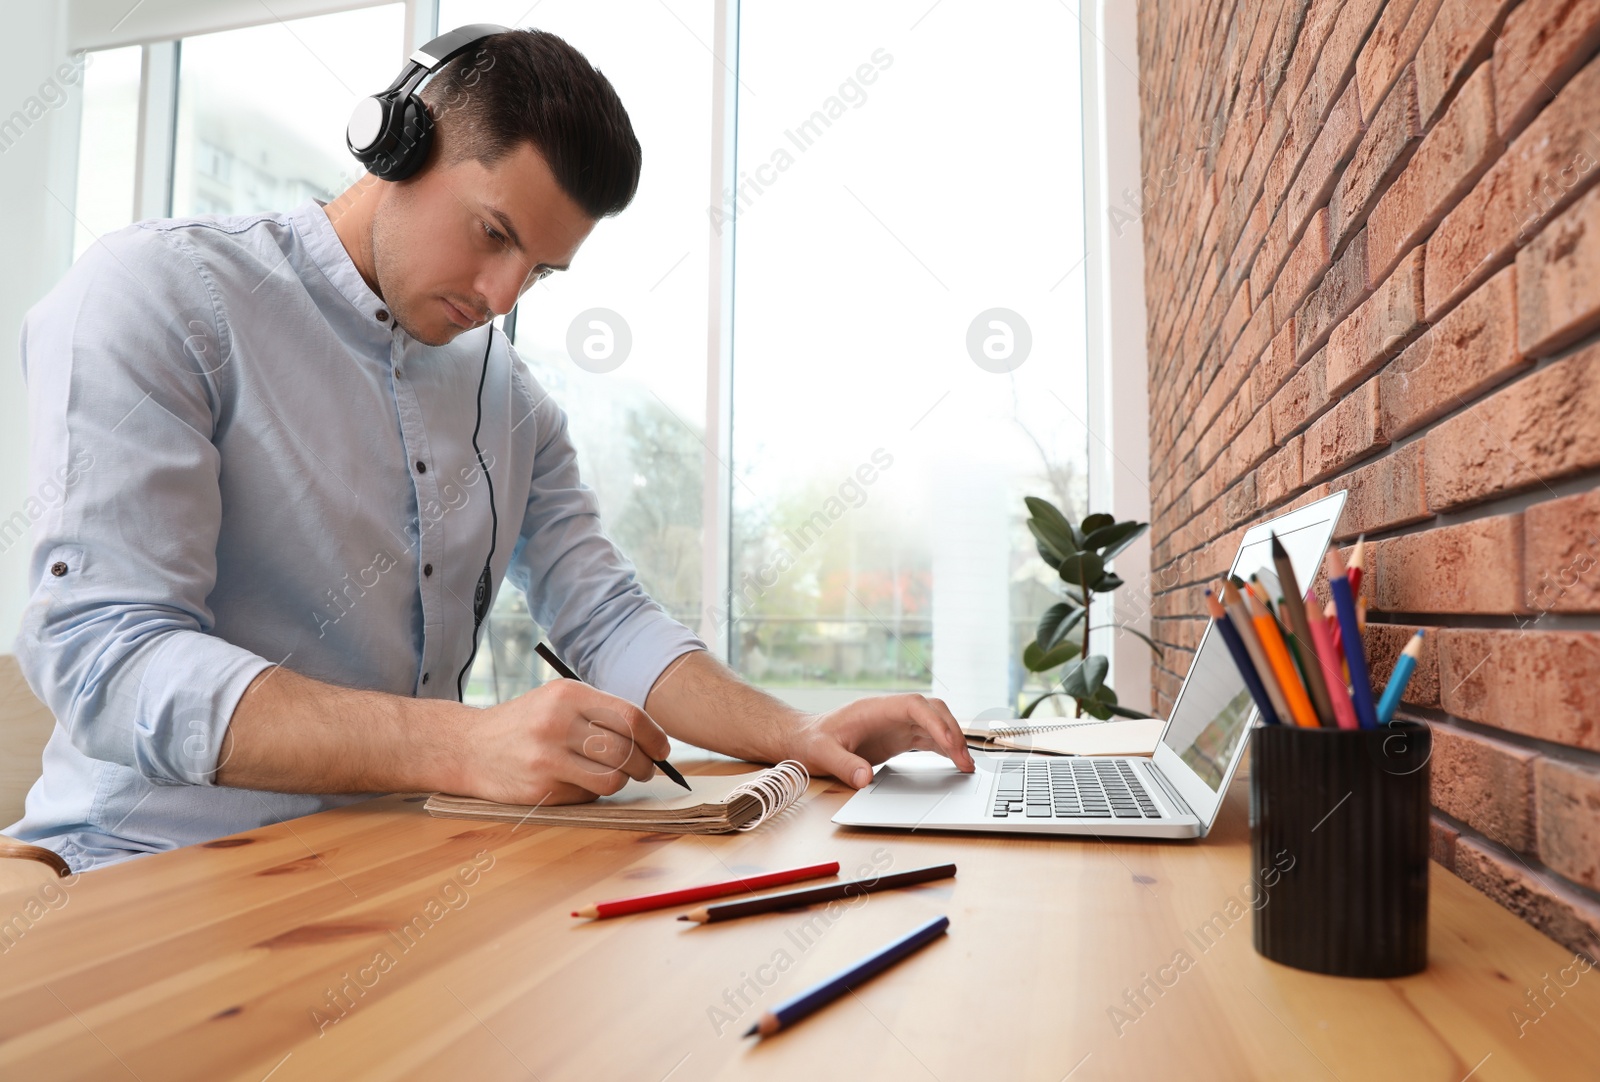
(238, 460)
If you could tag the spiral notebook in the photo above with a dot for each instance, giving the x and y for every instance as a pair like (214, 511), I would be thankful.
(1120, 736)
(720, 804)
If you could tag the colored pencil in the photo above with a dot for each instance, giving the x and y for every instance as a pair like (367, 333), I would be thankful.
(1344, 713)
(848, 979)
(1309, 652)
(668, 898)
(1358, 565)
(560, 667)
(1241, 658)
(789, 899)
(1233, 602)
(1396, 687)
(1354, 654)
(1278, 655)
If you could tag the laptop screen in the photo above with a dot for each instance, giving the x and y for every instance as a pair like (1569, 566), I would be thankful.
(1214, 712)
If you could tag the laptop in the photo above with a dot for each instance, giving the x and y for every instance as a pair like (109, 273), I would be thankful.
(1174, 793)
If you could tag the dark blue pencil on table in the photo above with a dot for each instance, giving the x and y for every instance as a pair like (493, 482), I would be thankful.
(792, 1010)
(1241, 658)
(560, 667)
(1355, 656)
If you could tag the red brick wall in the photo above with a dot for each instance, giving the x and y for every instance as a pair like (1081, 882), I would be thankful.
(1372, 252)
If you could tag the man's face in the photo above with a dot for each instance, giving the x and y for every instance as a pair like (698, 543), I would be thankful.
(460, 243)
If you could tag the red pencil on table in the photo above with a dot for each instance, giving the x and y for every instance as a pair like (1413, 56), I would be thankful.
(623, 906)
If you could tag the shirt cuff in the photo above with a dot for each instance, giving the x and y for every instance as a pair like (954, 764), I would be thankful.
(187, 695)
(638, 652)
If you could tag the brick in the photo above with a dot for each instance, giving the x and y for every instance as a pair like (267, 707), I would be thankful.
(1560, 913)
(1303, 268)
(1442, 839)
(1383, 151)
(1447, 163)
(1471, 567)
(1567, 797)
(1300, 400)
(1542, 427)
(1561, 562)
(1473, 348)
(1393, 43)
(1384, 494)
(1253, 445)
(1542, 684)
(1558, 280)
(1348, 432)
(1276, 366)
(1255, 338)
(1539, 49)
(1384, 643)
(1343, 287)
(1377, 329)
(1544, 171)
(1461, 36)
(1239, 502)
(1234, 318)
(1279, 476)
(1487, 784)
(1251, 235)
(1264, 271)
(1335, 142)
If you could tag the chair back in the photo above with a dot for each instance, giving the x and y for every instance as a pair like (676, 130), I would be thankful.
(25, 725)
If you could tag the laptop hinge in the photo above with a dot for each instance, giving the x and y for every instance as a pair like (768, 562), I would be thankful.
(1166, 787)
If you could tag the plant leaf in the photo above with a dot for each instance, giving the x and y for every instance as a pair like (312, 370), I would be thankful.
(1093, 523)
(1082, 567)
(1096, 709)
(1084, 677)
(1046, 555)
(1057, 622)
(1028, 710)
(1116, 537)
(1050, 540)
(1124, 712)
(1037, 659)
(1049, 516)
(1106, 583)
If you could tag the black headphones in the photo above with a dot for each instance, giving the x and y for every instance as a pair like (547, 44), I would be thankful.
(390, 132)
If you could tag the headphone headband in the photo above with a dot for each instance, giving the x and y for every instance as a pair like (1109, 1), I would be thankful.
(390, 133)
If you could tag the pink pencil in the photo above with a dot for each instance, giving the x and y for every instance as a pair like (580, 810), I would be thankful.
(1344, 711)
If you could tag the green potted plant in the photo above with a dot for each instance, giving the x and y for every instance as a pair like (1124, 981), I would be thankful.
(1079, 554)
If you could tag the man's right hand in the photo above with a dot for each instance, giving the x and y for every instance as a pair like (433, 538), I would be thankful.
(561, 743)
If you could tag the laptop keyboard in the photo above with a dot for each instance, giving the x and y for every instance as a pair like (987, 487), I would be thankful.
(1069, 788)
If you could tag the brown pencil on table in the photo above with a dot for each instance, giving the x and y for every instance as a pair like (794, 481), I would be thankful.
(789, 899)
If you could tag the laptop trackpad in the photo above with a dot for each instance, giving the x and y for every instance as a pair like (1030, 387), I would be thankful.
(913, 792)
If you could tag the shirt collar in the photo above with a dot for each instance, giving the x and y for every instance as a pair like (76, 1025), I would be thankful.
(328, 251)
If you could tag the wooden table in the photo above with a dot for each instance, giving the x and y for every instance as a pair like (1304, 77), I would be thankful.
(351, 945)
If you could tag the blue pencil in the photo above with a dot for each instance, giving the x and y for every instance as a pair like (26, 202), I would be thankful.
(792, 1010)
(1241, 658)
(1403, 668)
(1344, 604)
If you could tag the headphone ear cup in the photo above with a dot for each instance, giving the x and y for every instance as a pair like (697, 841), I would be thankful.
(413, 138)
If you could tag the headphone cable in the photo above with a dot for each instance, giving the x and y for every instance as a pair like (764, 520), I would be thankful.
(480, 595)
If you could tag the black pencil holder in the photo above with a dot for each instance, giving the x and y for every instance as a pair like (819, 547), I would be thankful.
(1339, 837)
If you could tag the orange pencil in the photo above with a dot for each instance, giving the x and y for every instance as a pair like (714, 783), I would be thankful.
(1233, 602)
(1278, 654)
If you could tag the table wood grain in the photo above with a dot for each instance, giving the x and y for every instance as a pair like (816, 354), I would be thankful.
(375, 942)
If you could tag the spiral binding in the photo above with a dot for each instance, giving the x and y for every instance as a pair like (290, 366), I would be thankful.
(1046, 727)
(775, 789)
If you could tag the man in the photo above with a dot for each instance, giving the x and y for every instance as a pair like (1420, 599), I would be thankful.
(254, 600)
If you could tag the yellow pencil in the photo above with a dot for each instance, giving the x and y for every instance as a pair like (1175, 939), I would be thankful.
(1278, 654)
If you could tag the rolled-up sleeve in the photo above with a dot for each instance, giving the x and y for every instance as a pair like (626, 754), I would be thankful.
(123, 364)
(578, 584)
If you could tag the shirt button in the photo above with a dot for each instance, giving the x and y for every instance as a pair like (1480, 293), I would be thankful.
(58, 569)
(424, 678)
(427, 569)
(422, 467)
(383, 315)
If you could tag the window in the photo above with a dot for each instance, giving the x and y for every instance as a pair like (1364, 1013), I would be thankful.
(620, 340)
(107, 144)
(262, 110)
(909, 350)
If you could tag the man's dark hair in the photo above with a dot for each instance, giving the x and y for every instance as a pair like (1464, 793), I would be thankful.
(530, 86)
